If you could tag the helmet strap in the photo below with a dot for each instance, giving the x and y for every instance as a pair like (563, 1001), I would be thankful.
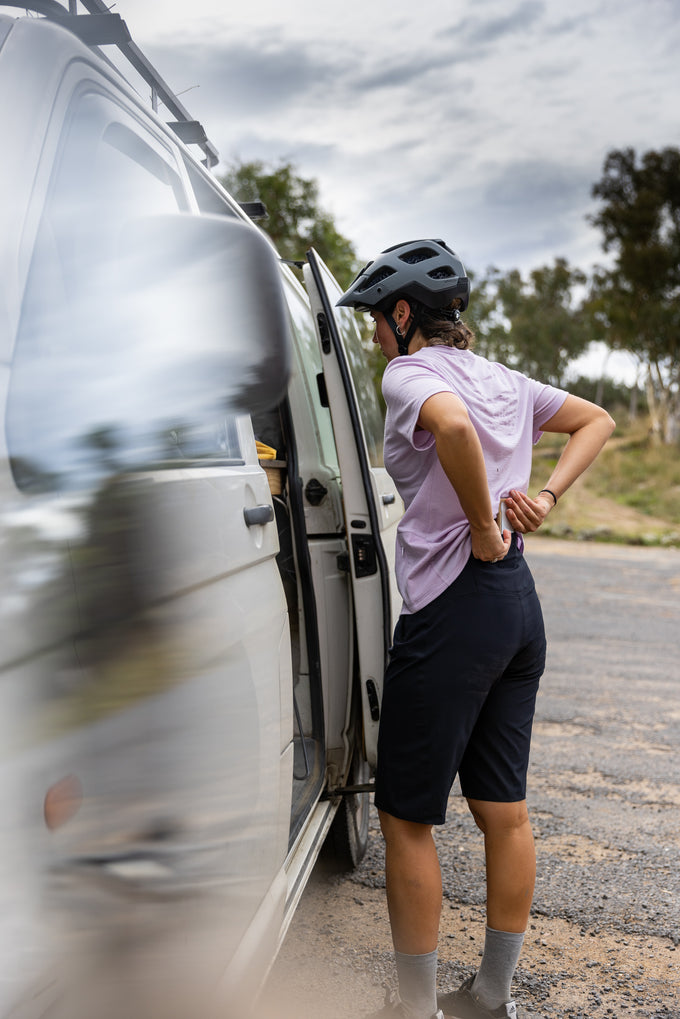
(415, 322)
(403, 341)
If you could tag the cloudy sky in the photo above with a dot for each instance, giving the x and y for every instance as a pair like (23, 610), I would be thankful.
(485, 122)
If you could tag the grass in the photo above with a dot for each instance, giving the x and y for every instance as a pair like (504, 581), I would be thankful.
(631, 494)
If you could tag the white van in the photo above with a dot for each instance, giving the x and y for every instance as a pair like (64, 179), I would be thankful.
(196, 536)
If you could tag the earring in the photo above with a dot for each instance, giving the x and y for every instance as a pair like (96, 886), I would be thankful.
(399, 332)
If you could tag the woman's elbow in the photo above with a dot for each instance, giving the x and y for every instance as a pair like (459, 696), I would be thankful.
(608, 422)
(597, 419)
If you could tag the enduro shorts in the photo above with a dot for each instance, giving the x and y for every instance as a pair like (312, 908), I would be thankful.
(460, 692)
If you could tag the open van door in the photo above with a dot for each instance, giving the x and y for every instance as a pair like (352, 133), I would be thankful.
(372, 505)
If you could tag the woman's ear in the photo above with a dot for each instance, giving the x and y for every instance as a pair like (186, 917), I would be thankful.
(402, 312)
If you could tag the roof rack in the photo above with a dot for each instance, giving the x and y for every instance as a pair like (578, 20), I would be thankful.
(100, 28)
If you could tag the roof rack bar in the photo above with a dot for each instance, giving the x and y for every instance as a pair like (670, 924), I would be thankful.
(154, 80)
(106, 28)
(50, 8)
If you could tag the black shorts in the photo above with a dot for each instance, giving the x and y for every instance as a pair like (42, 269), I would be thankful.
(460, 692)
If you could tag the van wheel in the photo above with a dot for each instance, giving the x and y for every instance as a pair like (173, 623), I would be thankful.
(348, 836)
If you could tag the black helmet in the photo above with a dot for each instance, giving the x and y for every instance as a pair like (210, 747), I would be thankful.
(426, 271)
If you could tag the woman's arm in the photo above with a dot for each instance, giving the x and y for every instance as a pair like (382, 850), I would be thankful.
(588, 427)
(460, 454)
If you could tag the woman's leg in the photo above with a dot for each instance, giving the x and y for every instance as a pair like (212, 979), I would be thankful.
(414, 884)
(510, 862)
(414, 898)
(510, 876)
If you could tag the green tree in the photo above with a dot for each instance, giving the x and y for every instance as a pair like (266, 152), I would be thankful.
(534, 325)
(295, 219)
(485, 316)
(635, 303)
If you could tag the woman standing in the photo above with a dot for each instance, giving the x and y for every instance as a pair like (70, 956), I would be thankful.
(469, 647)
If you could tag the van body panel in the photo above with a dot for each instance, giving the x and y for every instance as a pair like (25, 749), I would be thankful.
(178, 624)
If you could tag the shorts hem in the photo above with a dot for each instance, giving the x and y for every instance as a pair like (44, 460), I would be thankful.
(401, 815)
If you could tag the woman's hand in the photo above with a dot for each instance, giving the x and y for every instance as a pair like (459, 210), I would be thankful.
(488, 544)
(527, 514)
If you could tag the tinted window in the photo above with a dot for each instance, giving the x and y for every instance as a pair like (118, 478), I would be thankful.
(310, 363)
(367, 399)
(208, 198)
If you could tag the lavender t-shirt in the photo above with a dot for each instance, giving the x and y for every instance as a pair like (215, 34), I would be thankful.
(507, 410)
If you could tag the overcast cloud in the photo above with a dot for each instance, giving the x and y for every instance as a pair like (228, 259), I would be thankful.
(482, 121)
(485, 122)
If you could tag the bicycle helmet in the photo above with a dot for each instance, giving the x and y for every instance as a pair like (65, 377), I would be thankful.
(425, 272)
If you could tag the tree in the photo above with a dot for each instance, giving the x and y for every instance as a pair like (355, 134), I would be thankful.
(636, 302)
(295, 220)
(486, 317)
(536, 325)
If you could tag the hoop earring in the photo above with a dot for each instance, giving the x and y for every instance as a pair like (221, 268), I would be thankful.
(399, 332)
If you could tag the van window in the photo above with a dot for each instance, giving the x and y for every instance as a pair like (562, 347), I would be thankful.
(368, 405)
(367, 399)
(81, 400)
(208, 198)
(310, 358)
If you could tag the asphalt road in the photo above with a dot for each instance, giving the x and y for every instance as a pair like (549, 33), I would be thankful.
(604, 794)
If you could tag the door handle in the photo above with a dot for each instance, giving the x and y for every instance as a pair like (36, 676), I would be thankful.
(258, 515)
(389, 499)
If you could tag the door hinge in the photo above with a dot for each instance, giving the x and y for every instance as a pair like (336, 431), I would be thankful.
(324, 332)
(373, 700)
(343, 562)
(323, 391)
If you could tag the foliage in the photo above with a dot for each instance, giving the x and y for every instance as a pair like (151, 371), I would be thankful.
(531, 325)
(631, 494)
(613, 396)
(635, 304)
(295, 220)
(485, 317)
(644, 475)
(537, 323)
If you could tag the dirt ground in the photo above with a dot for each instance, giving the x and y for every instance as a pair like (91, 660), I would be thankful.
(336, 962)
(604, 934)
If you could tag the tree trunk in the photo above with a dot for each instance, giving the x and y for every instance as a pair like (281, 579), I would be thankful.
(654, 423)
(672, 425)
(599, 391)
(664, 406)
(633, 402)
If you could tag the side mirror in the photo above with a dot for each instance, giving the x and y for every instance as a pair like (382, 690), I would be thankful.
(203, 295)
(179, 326)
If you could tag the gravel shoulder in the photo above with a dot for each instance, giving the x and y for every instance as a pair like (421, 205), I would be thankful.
(604, 794)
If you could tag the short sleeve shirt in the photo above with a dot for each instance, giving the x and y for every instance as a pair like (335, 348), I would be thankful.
(507, 410)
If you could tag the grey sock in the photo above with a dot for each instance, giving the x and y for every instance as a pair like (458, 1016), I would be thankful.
(499, 962)
(418, 984)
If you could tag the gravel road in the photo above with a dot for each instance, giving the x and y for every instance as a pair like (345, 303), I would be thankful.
(604, 793)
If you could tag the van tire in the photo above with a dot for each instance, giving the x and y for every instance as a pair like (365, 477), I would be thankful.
(348, 836)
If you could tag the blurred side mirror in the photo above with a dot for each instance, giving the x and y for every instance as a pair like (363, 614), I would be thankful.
(181, 324)
(206, 292)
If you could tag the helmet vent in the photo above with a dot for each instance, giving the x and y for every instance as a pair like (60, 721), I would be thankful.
(445, 272)
(419, 255)
(376, 278)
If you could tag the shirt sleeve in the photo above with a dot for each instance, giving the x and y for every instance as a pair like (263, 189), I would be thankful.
(406, 385)
(547, 401)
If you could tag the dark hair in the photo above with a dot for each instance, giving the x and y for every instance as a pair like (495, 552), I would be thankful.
(443, 326)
